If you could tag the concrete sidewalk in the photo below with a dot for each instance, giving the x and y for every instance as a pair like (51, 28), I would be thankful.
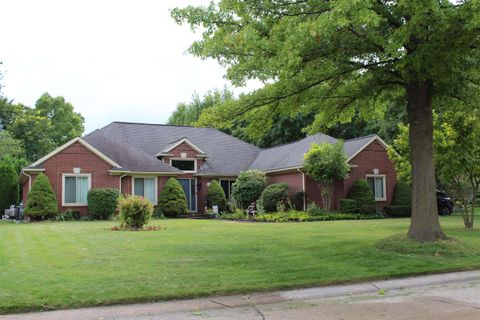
(443, 296)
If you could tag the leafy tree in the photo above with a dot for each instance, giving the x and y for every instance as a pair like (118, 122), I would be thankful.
(9, 111)
(33, 131)
(458, 159)
(187, 114)
(10, 146)
(326, 163)
(41, 200)
(248, 187)
(9, 189)
(173, 201)
(339, 57)
(65, 124)
(216, 196)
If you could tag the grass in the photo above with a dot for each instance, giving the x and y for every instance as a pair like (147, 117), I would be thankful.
(73, 264)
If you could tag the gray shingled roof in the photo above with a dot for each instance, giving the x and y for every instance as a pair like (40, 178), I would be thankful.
(226, 155)
(134, 146)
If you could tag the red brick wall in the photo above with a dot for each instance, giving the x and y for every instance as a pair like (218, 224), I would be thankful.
(294, 179)
(76, 156)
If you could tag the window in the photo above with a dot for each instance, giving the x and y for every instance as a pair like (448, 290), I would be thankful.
(75, 189)
(184, 165)
(145, 187)
(227, 188)
(378, 185)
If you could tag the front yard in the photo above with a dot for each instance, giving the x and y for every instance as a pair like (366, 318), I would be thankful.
(74, 264)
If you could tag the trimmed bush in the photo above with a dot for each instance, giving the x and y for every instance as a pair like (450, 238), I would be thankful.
(348, 205)
(402, 195)
(363, 195)
(9, 189)
(297, 200)
(273, 195)
(102, 202)
(248, 187)
(41, 200)
(314, 210)
(299, 216)
(398, 211)
(135, 212)
(216, 196)
(173, 201)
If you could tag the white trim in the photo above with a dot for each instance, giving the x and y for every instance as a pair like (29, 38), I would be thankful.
(384, 178)
(179, 142)
(186, 159)
(145, 177)
(284, 169)
(375, 137)
(83, 143)
(64, 175)
(112, 172)
(33, 170)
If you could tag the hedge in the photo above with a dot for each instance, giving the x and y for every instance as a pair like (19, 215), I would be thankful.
(216, 196)
(348, 205)
(273, 195)
(398, 211)
(102, 202)
(363, 195)
(248, 187)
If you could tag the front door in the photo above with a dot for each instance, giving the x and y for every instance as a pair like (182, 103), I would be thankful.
(190, 188)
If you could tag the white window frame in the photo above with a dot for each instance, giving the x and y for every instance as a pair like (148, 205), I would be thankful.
(146, 177)
(79, 175)
(229, 180)
(186, 159)
(384, 179)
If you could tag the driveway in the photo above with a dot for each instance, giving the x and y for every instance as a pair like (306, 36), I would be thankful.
(439, 297)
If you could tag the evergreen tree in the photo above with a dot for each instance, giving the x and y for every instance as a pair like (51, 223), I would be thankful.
(41, 200)
(9, 189)
(216, 196)
(173, 201)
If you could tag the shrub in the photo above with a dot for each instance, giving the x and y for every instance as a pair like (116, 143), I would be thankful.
(173, 201)
(41, 200)
(216, 196)
(236, 215)
(272, 196)
(314, 210)
(398, 211)
(68, 215)
(363, 195)
(248, 187)
(102, 202)
(348, 206)
(135, 212)
(9, 189)
(402, 195)
(297, 200)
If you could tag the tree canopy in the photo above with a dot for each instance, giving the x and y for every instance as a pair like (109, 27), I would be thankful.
(336, 58)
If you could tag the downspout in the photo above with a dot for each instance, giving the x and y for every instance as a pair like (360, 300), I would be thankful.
(120, 184)
(29, 181)
(303, 189)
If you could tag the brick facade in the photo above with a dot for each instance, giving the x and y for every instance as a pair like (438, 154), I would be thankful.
(76, 155)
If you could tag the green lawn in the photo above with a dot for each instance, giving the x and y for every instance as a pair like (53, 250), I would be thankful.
(73, 264)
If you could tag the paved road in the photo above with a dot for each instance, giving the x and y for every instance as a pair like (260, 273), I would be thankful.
(440, 297)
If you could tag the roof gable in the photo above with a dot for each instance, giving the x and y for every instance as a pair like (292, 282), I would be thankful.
(71, 142)
(177, 143)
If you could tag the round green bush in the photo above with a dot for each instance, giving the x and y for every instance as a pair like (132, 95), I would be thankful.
(272, 195)
(9, 189)
(348, 206)
(402, 195)
(41, 200)
(173, 201)
(248, 187)
(363, 196)
(216, 196)
(102, 202)
(135, 212)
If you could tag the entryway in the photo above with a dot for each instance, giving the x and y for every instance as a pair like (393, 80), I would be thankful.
(190, 188)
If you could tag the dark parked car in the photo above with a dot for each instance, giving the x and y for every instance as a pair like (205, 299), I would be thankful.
(444, 204)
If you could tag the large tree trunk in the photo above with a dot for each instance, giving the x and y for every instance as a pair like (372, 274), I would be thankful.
(425, 225)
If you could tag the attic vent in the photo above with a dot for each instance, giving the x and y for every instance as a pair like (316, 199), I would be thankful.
(183, 155)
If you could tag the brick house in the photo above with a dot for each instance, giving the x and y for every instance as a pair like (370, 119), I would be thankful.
(138, 158)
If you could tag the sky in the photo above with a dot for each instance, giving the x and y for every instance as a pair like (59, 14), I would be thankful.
(114, 60)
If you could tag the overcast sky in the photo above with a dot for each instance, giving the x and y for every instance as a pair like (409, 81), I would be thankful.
(113, 60)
